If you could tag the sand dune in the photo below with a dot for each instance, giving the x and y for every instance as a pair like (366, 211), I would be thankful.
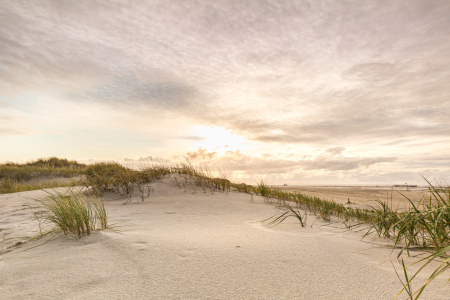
(195, 245)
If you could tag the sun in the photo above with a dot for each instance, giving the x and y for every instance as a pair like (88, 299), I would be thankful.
(218, 139)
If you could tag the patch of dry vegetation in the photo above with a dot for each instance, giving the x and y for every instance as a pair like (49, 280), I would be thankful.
(72, 212)
(38, 174)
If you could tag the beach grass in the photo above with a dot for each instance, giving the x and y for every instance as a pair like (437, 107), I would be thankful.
(11, 186)
(290, 212)
(73, 212)
(425, 226)
(29, 176)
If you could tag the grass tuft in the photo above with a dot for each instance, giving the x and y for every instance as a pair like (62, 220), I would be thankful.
(290, 212)
(72, 212)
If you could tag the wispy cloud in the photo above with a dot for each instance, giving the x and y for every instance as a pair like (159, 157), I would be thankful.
(158, 91)
(201, 154)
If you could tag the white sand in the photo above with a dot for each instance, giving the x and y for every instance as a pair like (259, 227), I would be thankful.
(181, 245)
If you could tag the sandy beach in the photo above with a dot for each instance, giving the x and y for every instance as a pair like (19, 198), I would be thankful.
(365, 196)
(193, 244)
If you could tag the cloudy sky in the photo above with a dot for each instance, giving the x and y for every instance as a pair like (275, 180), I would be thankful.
(323, 92)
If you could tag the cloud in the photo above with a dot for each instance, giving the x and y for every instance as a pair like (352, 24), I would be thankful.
(336, 75)
(345, 163)
(149, 91)
(191, 137)
(372, 73)
(237, 161)
(201, 154)
(148, 159)
(335, 150)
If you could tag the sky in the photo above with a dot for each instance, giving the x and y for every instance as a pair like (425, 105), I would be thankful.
(297, 92)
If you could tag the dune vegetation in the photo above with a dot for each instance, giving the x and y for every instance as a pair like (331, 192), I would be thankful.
(39, 174)
(73, 212)
(425, 226)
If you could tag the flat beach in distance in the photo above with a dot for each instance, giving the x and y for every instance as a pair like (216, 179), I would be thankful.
(189, 243)
(364, 196)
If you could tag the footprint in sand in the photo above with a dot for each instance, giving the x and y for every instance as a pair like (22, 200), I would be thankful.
(186, 254)
(141, 245)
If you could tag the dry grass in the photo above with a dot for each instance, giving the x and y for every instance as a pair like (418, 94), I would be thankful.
(19, 177)
(425, 225)
(72, 212)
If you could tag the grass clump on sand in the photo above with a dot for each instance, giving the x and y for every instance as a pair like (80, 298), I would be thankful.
(290, 212)
(426, 225)
(19, 177)
(102, 177)
(314, 205)
(72, 212)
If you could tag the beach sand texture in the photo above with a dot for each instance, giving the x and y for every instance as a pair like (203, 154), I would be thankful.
(189, 244)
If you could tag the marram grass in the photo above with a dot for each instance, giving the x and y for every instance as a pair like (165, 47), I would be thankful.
(426, 225)
(16, 177)
(12, 186)
(72, 212)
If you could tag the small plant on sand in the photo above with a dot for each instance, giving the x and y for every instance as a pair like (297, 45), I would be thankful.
(428, 224)
(385, 220)
(290, 212)
(73, 212)
(263, 189)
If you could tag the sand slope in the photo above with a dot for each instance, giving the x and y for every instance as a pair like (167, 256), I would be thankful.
(186, 245)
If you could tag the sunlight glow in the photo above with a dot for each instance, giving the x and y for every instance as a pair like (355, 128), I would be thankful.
(218, 139)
